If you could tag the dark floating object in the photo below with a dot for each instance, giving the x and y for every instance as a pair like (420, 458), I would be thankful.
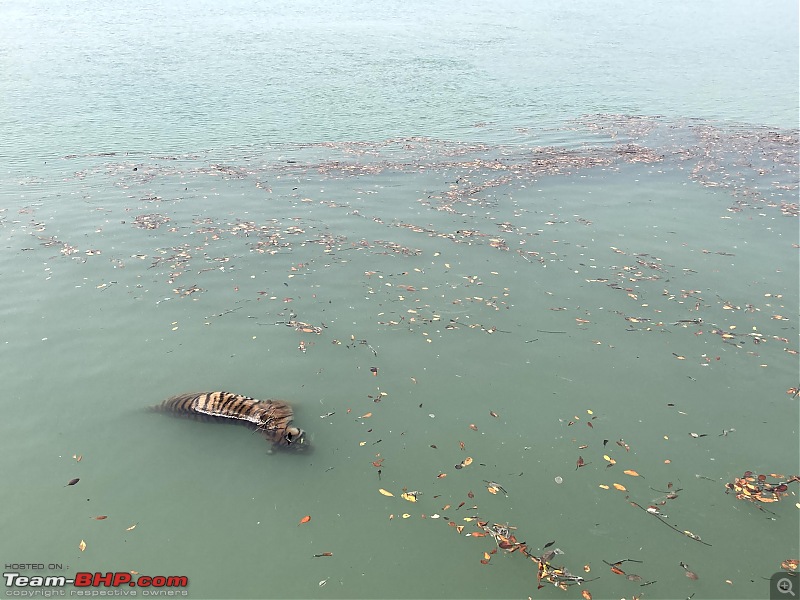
(73, 481)
(273, 418)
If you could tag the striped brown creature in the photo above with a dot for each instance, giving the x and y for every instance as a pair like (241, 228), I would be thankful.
(273, 418)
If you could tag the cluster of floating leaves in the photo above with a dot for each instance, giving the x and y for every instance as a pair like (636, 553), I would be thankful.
(760, 488)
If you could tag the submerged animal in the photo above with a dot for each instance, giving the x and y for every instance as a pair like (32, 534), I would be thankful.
(273, 418)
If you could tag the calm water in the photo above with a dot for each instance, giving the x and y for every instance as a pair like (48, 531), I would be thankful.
(536, 237)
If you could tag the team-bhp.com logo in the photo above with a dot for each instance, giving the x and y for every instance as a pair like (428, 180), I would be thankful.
(88, 584)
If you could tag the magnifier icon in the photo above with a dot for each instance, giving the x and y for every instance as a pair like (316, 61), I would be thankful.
(784, 586)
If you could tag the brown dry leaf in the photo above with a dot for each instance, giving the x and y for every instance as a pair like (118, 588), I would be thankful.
(468, 461)
(441, 475)
(493, 414)
(77, 457)
(587, 595)
(620, 487)
(82, 546)
(473, 427)
(587, 568)
(305, 519)
(631, 472)
(790, 564)
(100, 518)
(366, 415)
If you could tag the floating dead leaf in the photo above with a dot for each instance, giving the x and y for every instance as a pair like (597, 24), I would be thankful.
(385, 492)
(100, 518)
(82, 546)
(604, 486)
(408, 496)
(467, 461)
(587, 568)
(790, 564)
(366, 415)
(406, 515)
(587, 595)
(493, 414)
(305, 519)
(77, 457)
(616, 570)
(132, 527)
(441, 475)
(473, 427)
(620, 487)
(580, 463)
(73, 481)
(631, 472)
(321, 554)
(374, 371)
(377, 463)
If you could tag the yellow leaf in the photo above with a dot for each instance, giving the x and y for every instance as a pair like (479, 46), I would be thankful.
(362, 443)
(467, 461)
(620, 487)
(631, 472)
(406, 515)
(385, 492)
(487, 556)
(82, 546)
(131, 528)
(604, 486)
(409, 497)
(609, 459)
(459, 528)
(492, 490)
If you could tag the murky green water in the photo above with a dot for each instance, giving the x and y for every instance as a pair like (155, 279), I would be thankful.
(426, 274)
